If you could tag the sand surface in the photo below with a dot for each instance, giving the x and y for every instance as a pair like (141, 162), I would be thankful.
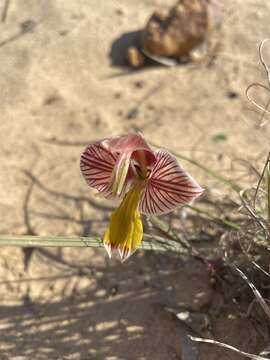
(59, 90)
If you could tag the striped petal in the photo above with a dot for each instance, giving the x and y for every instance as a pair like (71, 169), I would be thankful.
(168, 187)
(110, 164)
(97, 165)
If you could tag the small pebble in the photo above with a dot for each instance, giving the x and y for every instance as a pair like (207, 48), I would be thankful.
(119, 12)
(139, 84)
(134, 57)
(117, 95)
(232, 94)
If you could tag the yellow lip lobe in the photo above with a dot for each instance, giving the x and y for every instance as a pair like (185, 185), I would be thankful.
(125, 231)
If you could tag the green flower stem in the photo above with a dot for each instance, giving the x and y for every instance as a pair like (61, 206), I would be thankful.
(150, 242)
(48, 241)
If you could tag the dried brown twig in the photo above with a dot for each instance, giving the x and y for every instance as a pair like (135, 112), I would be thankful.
(229, 347)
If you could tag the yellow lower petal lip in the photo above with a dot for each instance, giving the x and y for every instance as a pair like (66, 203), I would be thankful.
(125, 231)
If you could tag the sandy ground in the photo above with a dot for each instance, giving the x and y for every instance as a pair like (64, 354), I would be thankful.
(58, 84)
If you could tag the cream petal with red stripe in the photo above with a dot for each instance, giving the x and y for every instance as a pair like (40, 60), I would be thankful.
(168, 186)
(97, 165)
(106, 164)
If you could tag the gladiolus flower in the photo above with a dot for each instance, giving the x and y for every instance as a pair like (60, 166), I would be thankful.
(147, 181)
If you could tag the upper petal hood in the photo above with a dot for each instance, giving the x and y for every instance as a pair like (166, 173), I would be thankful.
(130, 144)
(106, 165)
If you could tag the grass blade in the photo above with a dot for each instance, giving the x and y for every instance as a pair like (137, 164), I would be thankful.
(150, 242)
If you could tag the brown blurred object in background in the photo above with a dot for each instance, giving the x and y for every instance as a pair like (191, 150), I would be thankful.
(173, 33)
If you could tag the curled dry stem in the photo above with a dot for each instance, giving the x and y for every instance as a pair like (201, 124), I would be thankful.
(255, 84)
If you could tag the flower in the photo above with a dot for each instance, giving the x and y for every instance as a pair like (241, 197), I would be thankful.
(147, 181)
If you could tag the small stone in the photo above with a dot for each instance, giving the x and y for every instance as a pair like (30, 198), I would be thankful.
(51, 99)
(63, 32)
(119, 12)
(101, 293)
(184, 315)
(134, 57)
(28, 26)
(117, 95)
(232, 94)
(139, 84)
(132, 114)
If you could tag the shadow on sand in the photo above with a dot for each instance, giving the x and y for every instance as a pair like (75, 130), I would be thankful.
(108, 321)
(120, 46)
(118, 315)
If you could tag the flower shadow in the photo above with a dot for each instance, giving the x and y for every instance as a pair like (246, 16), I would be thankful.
(75, 303)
